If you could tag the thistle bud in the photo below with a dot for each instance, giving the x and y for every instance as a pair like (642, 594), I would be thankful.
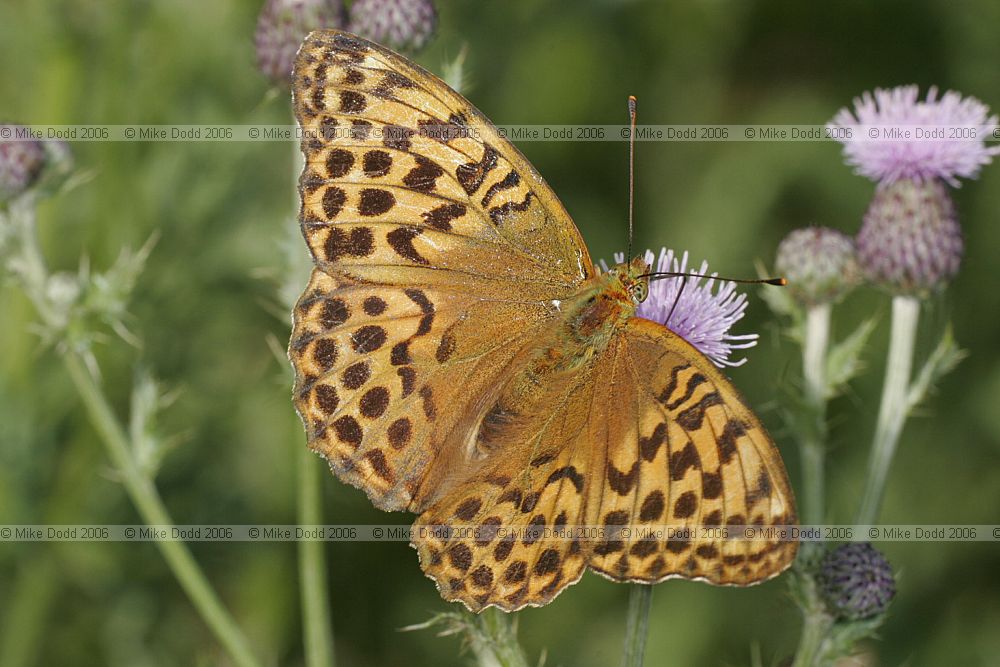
(910, 242)
(404, 25)
(21, 161)
(819, 263)
(856, 581)
(281, 27)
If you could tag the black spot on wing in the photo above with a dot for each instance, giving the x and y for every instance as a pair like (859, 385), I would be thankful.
(401, 241)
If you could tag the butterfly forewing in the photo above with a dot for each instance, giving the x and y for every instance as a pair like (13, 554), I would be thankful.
(688, 461)
(402, 171)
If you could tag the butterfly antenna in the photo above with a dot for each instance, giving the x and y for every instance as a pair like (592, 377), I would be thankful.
(660, 275)
(684, 275)
(676, 299)
(631, 169)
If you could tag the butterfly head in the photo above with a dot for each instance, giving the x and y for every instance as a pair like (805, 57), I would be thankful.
(633, 278)
(607, 304)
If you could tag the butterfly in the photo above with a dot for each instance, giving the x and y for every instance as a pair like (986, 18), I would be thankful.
(458, 355)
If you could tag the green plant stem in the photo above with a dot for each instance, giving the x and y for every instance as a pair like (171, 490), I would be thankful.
(816, 626)
(640, 598)
(813, 441)
(317, 624)
(894, 406)
(505, 651)
(43, 573)
(816, 623)
(814, 633)
(316, 629)
(33, 274)
(147, 501)
(27, 607)
(30, 267)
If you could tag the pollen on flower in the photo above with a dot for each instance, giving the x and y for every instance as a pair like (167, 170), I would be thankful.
(893, 135)
(701, 311)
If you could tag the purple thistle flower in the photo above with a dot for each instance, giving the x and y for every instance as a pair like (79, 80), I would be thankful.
(886, 159)
(702, 314)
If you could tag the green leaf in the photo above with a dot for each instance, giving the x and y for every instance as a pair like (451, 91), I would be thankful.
(148, 400)
(782, 304)
(845, 635)
(454, 72)
(943, 359)
(843, 361)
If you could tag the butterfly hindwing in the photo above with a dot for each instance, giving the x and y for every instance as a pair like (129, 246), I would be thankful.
(385, 374)
(499, 537)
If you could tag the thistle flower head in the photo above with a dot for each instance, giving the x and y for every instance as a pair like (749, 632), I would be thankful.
(281, 27)
(819, 263)
(856, 581)
(21, 161)
(404, 25)
(910, 242)
(957, 150)
(701, 311)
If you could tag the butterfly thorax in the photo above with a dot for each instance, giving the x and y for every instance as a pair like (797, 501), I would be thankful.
(588, 322)
(606, 302)
(599, 309)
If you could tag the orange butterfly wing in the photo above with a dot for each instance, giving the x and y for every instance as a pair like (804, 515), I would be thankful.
(650, 435)
(438, 257)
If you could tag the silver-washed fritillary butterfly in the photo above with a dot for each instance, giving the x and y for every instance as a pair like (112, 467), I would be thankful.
(457, 355)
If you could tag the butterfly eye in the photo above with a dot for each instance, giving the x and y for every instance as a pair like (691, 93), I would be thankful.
(640, 291)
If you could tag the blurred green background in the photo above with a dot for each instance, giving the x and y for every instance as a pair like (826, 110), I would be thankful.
(204, 309)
